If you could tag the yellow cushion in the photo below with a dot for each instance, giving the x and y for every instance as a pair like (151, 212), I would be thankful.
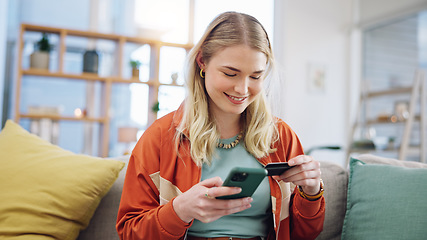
(47, 192)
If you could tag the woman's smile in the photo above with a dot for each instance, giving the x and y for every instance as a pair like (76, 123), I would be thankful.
(236, 100)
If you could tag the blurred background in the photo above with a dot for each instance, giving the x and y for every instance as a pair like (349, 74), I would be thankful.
(350, 72)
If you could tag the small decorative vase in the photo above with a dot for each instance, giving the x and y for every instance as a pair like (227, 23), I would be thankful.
(39, 60)
(174, 77)
(90, 61)
(135, 72)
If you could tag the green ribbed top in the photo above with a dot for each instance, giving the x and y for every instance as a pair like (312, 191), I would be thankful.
(251, 222)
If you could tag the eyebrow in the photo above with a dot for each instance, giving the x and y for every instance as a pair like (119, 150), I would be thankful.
(237, 70)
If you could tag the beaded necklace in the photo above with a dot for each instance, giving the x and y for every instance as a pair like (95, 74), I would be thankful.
(230, 145)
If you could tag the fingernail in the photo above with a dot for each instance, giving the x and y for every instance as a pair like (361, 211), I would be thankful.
(249, 199)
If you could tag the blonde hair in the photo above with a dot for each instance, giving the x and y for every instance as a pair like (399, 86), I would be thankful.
(259, 129)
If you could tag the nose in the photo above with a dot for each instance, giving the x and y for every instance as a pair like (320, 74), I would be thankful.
(241, 86)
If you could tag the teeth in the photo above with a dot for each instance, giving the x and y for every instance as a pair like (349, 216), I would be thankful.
(237, 99)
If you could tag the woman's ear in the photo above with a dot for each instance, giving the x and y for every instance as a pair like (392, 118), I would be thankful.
(199, 60)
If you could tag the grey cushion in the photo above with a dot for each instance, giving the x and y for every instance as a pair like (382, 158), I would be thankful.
(372, 159)
(103, 223)
(335, 179)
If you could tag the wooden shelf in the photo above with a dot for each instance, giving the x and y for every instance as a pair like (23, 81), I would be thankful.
(392, 91)
(56, 117)
(97, 35)
(93, 77)
(104, 97)
(46, 73)
(378, 121)
(132, 80)
(417, 99)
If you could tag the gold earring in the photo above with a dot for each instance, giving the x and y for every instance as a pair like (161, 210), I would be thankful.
(201, 73)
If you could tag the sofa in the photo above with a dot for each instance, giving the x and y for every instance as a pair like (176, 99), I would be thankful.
(375, 198)
(335, 178)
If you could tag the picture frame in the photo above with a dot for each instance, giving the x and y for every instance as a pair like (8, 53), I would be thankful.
(316, 79)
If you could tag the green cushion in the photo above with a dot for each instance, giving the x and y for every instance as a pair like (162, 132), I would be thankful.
(47, 192)
(385, 202)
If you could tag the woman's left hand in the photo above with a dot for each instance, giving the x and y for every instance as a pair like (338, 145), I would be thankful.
(305, 173)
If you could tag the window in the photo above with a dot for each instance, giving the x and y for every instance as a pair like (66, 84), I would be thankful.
(166, 20)
(170, 21)
(392, 52)
(206, 11)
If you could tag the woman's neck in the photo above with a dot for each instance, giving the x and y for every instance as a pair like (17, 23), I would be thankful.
(228, 125)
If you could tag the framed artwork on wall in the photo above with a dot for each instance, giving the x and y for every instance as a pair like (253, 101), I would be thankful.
(316, 79)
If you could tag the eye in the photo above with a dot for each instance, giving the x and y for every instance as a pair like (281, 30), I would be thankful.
(256, 77)
(229, 75)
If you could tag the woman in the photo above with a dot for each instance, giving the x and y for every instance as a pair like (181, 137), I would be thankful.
(175, 171)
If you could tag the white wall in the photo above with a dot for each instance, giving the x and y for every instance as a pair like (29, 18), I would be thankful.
(68, 14)
(316, 32)
(3, 30)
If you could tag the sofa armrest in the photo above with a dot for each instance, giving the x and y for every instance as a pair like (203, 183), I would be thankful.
(335, 179)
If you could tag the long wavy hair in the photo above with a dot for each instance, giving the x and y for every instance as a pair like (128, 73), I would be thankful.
(258, 126)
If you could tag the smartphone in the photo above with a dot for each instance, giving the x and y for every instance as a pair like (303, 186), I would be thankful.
(246, 178)
(277, 168)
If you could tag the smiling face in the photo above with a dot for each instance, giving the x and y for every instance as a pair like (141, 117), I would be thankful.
(233, 79)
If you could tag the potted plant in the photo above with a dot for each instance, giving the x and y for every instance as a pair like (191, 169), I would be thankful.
(135, 64)
(40, 57)
(156, 107)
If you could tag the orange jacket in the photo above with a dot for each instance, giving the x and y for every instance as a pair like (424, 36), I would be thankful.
(156, 174)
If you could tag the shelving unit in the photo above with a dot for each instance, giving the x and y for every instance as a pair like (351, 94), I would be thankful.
(417, 99)
(106, 81)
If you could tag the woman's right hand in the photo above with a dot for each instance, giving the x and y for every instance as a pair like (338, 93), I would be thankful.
(200, 202)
